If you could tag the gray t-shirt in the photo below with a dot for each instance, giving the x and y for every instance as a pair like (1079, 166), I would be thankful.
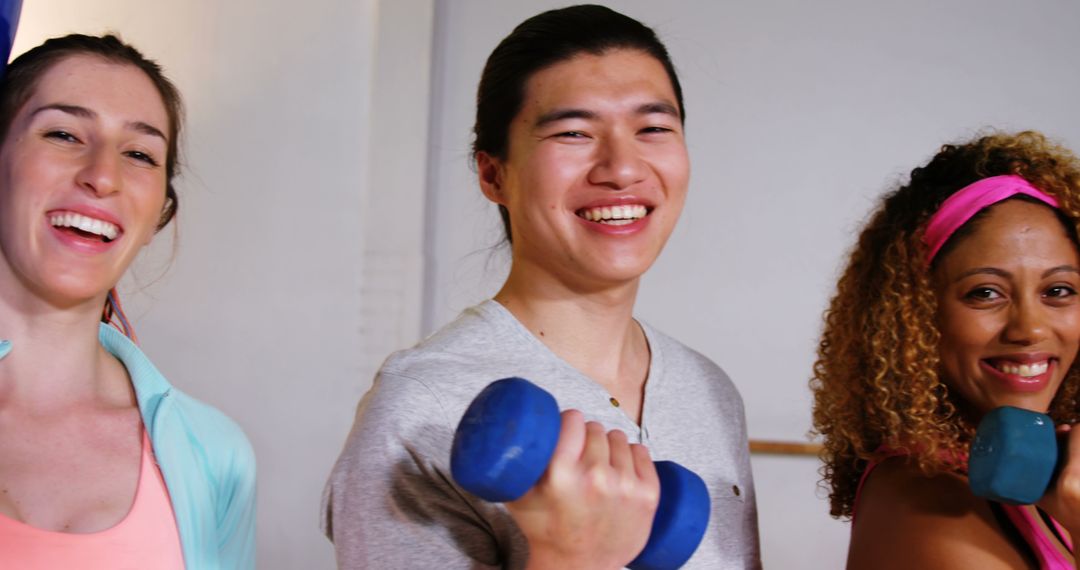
(391, 502)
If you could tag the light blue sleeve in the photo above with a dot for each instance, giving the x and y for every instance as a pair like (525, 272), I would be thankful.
(236, 509)
(215, 464)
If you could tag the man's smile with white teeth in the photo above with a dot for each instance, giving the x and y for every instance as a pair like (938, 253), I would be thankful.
(614, 215)
(86, 224)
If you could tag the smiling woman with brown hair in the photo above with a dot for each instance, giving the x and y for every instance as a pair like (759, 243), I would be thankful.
(103, 463)
(961, 296)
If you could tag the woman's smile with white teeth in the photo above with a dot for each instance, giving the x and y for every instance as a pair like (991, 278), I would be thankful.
(86, 224)
(1025, 370)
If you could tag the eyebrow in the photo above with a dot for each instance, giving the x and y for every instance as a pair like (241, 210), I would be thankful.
(984, 270)
(1005, 274)
(555, 115)
(1060, 269)
(84, 113)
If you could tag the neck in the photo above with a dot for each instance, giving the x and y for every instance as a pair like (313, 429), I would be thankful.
(56, 360)
(593, 329)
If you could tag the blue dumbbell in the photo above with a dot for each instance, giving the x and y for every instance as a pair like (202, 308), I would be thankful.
(1013, 457)
(9, 20)
(506, 439)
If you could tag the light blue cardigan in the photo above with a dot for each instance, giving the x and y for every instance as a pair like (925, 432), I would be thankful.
(206, 461)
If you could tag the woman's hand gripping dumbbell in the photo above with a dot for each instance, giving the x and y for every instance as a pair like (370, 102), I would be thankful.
(1018, 457)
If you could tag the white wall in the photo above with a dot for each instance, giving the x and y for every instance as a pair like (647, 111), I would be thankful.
(799, 115)
(314, 205)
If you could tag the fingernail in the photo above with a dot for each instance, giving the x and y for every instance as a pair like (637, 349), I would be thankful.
(5, 348)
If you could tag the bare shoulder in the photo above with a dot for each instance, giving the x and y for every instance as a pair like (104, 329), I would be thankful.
(908, 520)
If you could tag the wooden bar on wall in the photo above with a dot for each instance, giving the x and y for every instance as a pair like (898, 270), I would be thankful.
(770, 447)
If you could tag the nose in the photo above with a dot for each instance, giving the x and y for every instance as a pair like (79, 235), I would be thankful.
(619, 164)
(100, 172)
(1027, 324)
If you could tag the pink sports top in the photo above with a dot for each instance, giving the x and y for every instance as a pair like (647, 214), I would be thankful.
(1046, 539)
(146, 538)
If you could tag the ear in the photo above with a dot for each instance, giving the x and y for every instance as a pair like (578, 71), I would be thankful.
(491, 172)
(168, 213)
(151, 235)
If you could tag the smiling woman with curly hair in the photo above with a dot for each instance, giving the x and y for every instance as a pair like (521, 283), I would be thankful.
(928, 331)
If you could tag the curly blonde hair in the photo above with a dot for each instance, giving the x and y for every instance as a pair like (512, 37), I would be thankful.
(877, 382)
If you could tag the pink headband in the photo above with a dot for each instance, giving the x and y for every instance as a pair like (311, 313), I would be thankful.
(957, 209)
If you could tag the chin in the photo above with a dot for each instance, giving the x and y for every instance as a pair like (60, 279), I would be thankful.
(625, 266)
(71, 291)
(621, 274)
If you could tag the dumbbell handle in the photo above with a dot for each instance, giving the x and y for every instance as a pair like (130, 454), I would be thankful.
(505, 441)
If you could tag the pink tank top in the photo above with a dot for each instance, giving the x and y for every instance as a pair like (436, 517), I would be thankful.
(1047, 539)
(145, 538)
